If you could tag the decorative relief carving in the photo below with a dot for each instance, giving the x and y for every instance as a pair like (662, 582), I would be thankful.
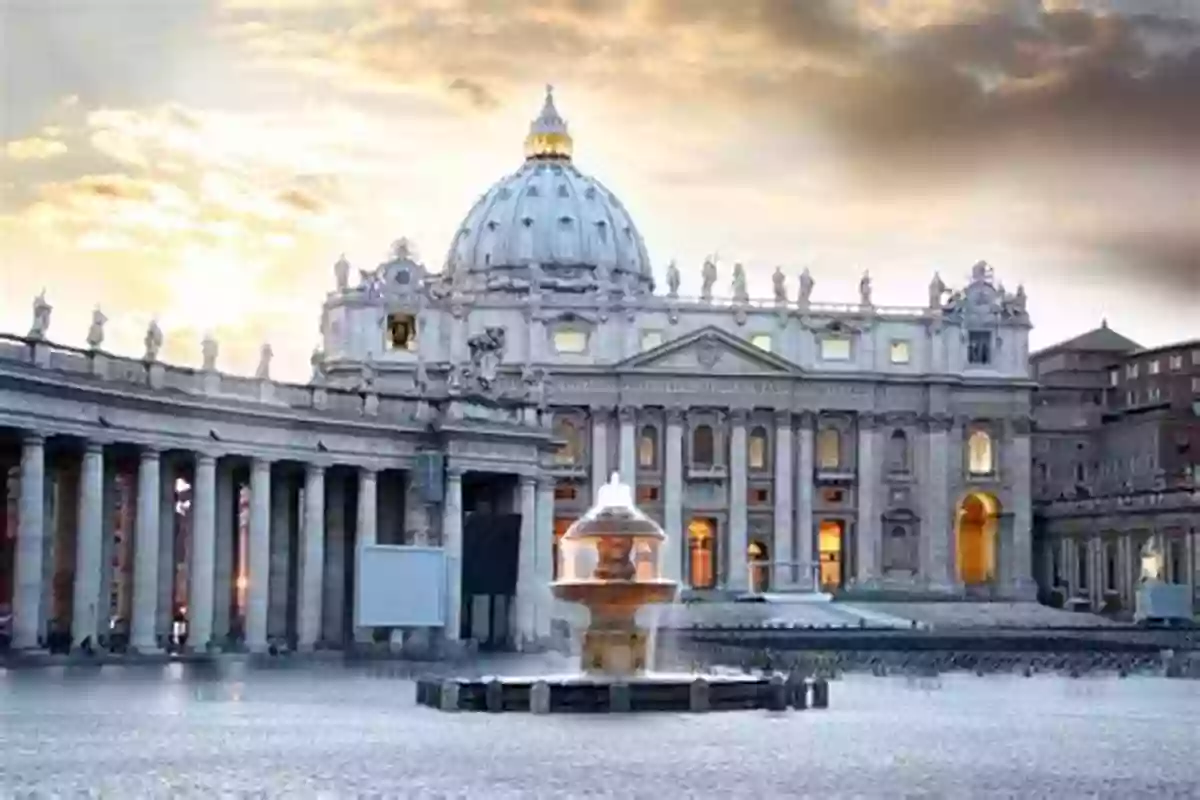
(708, 352)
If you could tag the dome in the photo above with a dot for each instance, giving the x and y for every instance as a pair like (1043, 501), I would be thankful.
(551, 224)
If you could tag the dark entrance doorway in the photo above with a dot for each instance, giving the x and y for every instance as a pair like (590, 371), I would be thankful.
(491, 544)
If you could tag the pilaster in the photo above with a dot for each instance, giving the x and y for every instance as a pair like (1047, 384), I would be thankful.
(676, 547)
(937, 522)
(31, 545)
(1022, 497)
(599, 443)
(783, 573)
(738, 577)
(366, 533)
(545, 556)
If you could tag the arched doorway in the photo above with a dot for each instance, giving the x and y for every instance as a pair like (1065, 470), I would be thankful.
(978, 522)
(760, 567)
(702, 553)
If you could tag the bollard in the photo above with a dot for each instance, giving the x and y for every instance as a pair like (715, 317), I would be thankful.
(797, 691)
(820, 693)
(777, 693)
(494, 696)
(448, 701)
(539, 698)
(698, 695)
(619, 698)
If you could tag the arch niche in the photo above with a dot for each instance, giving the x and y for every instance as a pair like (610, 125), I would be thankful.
(978, 523)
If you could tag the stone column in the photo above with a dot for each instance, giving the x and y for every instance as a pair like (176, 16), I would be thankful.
(544, 569)
(201, 577)
(259, 559)
(226, 498)
(333, 592)
(312, 558)
(366, 533)
(600, 415)
(145, 556)
(416, 513)
(1023, 583)
(783, 574)
(870, 539)
(673, 522)
(806, 571)
(281, 540)
(527, 572)
(739, 575)
(937, 523)
(452, 544)
(89, 546)
(628, 446)
(164, 614)
(31, 545)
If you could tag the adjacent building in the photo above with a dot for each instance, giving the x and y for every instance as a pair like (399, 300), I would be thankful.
(1116, 467)
(784, 444)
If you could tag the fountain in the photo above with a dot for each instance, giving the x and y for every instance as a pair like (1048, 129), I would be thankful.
(610, 561)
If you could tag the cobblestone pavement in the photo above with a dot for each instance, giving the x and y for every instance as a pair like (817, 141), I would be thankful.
(317, 731)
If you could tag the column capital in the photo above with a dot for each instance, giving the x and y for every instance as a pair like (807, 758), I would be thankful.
(528, 480)
(94, 447)
(739, 416)
(33, 439)
(627, 413)
(601, 408)
(675, 415)
(783, 419)
(149, 452)
(868, 420)
(455, 472)
(368, 472)
(257, 463)
(314, 469)
(937, 423)
(807, 420)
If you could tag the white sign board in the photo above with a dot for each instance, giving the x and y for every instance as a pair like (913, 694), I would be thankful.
(400, 587)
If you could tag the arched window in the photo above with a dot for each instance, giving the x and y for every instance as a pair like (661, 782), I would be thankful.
(701, 554)
(829, 449)
(702, 446)
(897, 459)
(979, 453)
(760, 568)
(758, 448)
(898, 551)
(648, 448)
(571, 453)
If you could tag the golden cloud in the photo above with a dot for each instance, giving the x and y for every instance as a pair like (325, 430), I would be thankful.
(34, 148)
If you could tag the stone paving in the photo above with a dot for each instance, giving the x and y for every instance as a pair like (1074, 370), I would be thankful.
(985, 615)
(333, 732)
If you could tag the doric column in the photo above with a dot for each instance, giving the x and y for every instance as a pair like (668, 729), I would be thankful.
(226, 500)
(627, 415)
(366, 533)
(936, 523)
(145, 554)
(738, 577)
(258, 593)
(89, 559)
(1022, 523)
(869, 467)
(544, 570)
(673, 496)
(600, 415)
(167, 519)
(279, 587)
(806, 572)
(31, 544)
(452, 544)
(527, 573)
(783, 552)
(312, 558)
(201, 577)
(333, 590)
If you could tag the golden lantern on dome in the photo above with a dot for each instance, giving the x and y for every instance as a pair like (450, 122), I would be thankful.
(548, 137)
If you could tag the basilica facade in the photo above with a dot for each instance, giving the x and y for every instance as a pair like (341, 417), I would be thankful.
(785, 445)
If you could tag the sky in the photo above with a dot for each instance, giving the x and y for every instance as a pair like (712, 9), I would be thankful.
(205, 162)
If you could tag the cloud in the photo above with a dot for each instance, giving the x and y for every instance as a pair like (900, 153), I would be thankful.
(35, 148)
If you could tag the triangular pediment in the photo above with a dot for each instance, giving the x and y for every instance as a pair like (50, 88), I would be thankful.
(709, 350)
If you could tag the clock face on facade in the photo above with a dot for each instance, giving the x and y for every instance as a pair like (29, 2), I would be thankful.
(402, 277)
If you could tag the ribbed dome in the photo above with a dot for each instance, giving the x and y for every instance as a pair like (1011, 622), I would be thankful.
(550, 214)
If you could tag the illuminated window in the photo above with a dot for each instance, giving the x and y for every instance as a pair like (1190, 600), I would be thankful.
(702, 554)
(829, 554)
(979, 453)
(651, 339)
(565, 491)
(762, 341)
(1114, 377)
(647, 494)
(1177, 361)
(648, 448)
(835, 348)
(401, 332)
(760, 496)
(760, 567)
(702, 446)
(758, 449)
(571, 452)
(899, 352)
(829, 449)
(569, 341)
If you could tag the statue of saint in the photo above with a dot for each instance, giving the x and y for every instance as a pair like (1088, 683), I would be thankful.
(672, 279)
(779, 281)
(740, 293)
(806, 288)
(864, 290)
(1020, 300)
(208, 352)
(487, 351)
(341, 273)
(937, 288)
(153, 341)
(95, 336)
(41, 317)
(708, 278)
(401, 249)
(265, 353)
(534, 380)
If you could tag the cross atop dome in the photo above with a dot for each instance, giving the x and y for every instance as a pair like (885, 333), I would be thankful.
(548, 137)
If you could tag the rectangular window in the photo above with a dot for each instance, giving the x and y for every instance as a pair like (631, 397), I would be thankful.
(569, 341)
(1177, 361)
(760, 496)
(835, 348)
(1131, 398)
(1152, 368)
(899, 351)
(762, 341)
(1155, 394)
(647, 494)
(651, 339)
(565, 491)
(1131, 370)
(979, 348)
(401, 332)
(1114, 377)
(1196, 385)
(1196, 358)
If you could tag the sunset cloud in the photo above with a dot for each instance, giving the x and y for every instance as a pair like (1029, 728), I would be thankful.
(34, 148)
